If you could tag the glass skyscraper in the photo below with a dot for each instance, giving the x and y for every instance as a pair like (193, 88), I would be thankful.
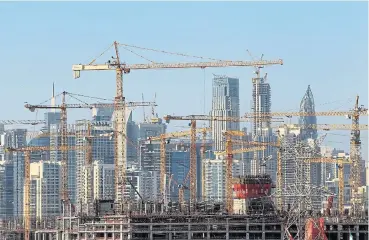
(307, 105)
(225, 102)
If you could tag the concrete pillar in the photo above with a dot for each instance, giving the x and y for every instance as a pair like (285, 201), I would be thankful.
(170, 231)
(247, 231)
(189, 229)
(227, 229)
(151, 235)
(208, 231)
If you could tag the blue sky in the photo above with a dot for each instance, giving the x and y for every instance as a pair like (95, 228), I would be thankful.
(324, 44)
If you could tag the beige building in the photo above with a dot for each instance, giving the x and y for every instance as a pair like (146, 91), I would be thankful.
(45, 189)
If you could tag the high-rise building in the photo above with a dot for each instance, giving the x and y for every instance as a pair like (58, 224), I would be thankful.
(103, 181)
(225, 103)
(261, 130)
(261, 104)
(56, 156)
(307, 106)
(6, 189)
(102, 151)
(45, 189)
(16, 138)
(215, 178)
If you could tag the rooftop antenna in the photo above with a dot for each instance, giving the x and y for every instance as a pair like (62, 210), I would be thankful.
(153, 107)
(144, 115)
(53, 99)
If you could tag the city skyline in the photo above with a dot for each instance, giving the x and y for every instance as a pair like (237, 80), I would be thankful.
(296, 43)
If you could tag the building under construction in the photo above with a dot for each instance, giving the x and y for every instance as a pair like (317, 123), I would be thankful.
(252, 207)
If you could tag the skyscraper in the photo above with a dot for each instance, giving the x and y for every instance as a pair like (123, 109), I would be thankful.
(307, 105)
(225, 103)
(262, 131)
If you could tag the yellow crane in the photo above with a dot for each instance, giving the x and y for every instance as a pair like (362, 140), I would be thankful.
(22, 122)
(64, 131)
(229, 152)
(357, 204)
(340, 162)
(163, 138)
(193, 119)
(27, 179)
(123, 68)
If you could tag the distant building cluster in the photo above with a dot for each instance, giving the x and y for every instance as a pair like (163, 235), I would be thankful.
(143, 156)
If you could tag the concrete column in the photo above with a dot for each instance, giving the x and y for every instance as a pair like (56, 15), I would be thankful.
(189, 229)
(170, 231)
(263, 229)
(208, 231)
(247, 231)
(227, 229)
(151, 234)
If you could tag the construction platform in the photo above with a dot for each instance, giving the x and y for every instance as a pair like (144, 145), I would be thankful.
(185, 227)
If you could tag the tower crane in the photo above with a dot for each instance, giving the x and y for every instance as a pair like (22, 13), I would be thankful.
(163, 138)
(340, 162)
(203, 149)
(228, 178)
(193, 159)
(23, 122)
(123, 68)
(355, 158)
(64, 139)
(27, 180)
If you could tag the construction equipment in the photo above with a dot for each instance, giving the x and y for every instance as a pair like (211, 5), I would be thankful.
(64, 139)
(355, 157)
(27, 180)
(23, 122)
(163, 138)
(228, 177)
(203, 149)
(340, 162)
(122, 68)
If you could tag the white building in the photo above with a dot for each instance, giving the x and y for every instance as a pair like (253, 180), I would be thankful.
(103, 175)
(45, 189)
(215, 177)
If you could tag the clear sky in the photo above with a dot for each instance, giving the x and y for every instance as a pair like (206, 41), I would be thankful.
(324, 44)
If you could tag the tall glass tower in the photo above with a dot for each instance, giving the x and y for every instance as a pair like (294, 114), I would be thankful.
(225, 103)
(307, 106)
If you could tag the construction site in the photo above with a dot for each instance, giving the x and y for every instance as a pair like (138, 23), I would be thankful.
(280, 201)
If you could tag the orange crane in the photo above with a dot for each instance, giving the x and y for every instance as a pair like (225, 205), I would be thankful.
(163, 138)
(123, 68)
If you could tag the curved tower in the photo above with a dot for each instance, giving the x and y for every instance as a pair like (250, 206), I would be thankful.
(307, 105)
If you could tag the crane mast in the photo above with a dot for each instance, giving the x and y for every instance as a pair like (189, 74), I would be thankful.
(355, 158)
(119, 127)
(64, 158)
(193, 165)
(27, 195)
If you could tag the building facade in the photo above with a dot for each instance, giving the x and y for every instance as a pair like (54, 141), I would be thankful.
(307, 105)
(225, 103)
(215, 178)
(45, 189)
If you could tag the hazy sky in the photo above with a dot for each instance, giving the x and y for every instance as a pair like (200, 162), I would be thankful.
(322, 44)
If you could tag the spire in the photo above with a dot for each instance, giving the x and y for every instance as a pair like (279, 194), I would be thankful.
(307, 106)
(53, 98)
